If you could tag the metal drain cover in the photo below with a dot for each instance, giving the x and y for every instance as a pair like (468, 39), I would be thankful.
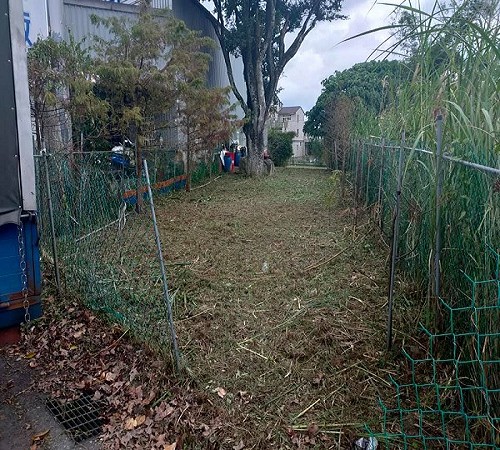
(81, 418)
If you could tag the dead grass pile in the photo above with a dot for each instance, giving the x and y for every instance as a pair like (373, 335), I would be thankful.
(280, 313)
(282, 304)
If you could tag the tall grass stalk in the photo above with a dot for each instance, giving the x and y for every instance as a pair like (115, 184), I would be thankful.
(456, 72)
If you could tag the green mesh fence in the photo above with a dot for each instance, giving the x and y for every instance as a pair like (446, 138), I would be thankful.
(451, 397)
(106, 250)
(470, 210)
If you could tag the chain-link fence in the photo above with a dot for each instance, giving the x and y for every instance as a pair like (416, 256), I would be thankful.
(440, 211)
(437, 214)
(104, 249)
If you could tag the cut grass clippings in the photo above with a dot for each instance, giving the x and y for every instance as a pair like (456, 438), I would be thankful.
(301, 339)
(279, 308)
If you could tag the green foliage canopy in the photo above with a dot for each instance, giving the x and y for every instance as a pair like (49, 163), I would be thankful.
(371, 84)
(60, 76)
(145, 65)
(280, 146)
(257, 31)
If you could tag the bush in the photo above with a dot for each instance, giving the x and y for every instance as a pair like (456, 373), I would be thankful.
(315, 147)
(280, 146)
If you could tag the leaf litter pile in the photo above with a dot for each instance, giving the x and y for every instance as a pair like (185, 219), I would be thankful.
(279, 306)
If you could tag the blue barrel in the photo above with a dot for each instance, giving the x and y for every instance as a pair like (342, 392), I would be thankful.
(237, 157)
(227, 163)
(11, 280)
(120, 160)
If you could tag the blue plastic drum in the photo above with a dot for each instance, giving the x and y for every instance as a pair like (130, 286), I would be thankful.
(227, 163)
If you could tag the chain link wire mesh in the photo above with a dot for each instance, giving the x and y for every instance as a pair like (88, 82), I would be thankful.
(106, 249)
(470, 208)
(451, 397)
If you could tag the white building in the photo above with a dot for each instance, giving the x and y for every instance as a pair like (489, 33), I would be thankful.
(291, 118)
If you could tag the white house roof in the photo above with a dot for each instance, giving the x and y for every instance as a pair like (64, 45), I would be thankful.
(288, 110)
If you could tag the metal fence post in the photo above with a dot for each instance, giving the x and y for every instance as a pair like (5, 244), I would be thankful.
(51, 220)
(394, 244)
(380, 181)
(368, 171)
(439, 191)
(166, 294)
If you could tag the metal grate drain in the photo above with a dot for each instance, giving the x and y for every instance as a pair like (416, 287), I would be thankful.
(82, 418)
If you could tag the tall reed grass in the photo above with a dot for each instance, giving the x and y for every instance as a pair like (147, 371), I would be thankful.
(456, 72)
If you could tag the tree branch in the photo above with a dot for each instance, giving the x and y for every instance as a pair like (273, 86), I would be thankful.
(306, 28)
(220, 31)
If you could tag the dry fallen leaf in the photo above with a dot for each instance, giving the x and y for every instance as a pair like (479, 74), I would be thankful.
(110, 376)
(221, 392)
(130, 423)
(40, 436)
(133, 373)
(140, 420)
(170, 447)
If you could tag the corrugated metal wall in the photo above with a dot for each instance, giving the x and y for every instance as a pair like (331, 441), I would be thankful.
(196, 17)
(155, 3)
(77, 18)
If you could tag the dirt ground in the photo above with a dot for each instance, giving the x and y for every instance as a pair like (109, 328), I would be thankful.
(279, 304)
(282, 306)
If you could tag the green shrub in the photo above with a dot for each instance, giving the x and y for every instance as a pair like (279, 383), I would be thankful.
(280, 146)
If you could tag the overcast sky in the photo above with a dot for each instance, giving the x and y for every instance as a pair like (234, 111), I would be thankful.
(321, 54)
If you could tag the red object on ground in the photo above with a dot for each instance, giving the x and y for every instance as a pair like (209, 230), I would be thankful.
(232, 155)
(9, 336)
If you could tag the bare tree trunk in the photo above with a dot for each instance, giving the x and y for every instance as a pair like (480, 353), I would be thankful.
(256, 137)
